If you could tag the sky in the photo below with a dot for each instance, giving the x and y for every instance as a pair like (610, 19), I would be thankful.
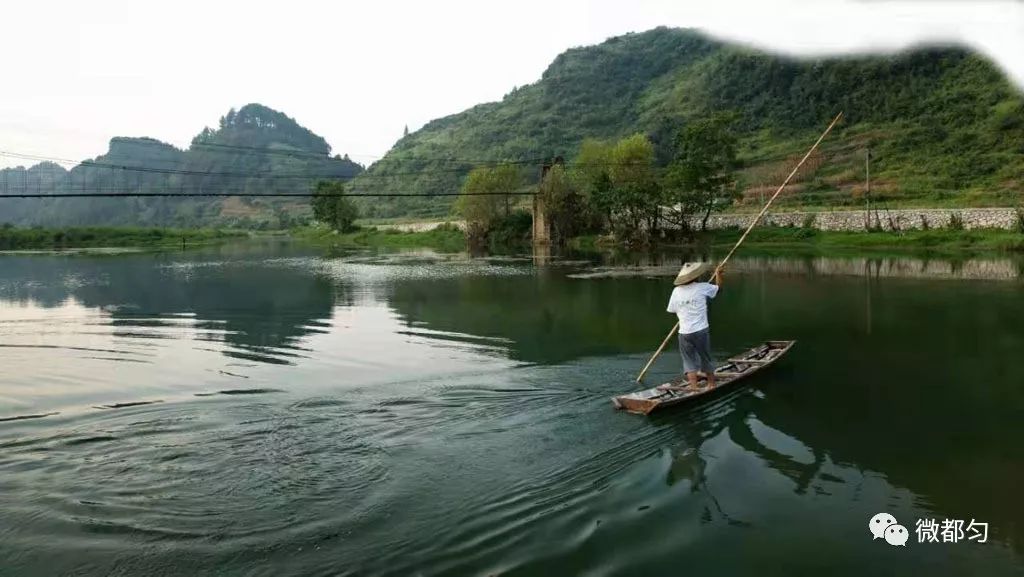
(77, 73)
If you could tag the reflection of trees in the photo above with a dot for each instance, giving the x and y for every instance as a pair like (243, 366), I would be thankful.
(548, 320)
(33, 279)
(252, 305)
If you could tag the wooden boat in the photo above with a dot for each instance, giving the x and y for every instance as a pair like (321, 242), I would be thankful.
(726, 375)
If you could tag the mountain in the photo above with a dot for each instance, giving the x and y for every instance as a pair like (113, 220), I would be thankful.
(254, 150)
(943, 124)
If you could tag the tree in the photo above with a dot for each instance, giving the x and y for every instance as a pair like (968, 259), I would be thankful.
(485, 198)
(506, 178)
(590, 177)
(701, 179)
(332, 209)
(406, 131)
(564, 205)
(637, 192)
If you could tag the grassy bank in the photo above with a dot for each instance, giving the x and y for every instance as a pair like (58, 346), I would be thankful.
(833, 242)
(947, 240)
(12, 238)
(452, 239)
(443, 238)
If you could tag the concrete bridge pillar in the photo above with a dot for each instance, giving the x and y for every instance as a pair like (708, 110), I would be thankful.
(541, 227)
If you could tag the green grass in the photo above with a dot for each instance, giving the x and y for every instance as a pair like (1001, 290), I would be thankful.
(938, 240)
(12, 238)
(444, 238)
(941, 240)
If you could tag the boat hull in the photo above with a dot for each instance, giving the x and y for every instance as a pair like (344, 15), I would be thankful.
(676, 392)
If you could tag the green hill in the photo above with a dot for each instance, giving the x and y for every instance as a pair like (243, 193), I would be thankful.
(943, 124)
(254, 150)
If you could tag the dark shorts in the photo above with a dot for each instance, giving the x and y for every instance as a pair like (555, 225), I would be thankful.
(695, 349)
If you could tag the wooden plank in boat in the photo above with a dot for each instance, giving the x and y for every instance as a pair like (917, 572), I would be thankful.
(672, 393)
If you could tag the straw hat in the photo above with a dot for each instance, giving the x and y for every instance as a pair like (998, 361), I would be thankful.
(690, 271)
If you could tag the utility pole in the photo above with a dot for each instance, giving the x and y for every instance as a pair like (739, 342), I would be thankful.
(867, 191)
(541, 229)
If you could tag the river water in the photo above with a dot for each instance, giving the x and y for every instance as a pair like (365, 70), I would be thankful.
(422, 414)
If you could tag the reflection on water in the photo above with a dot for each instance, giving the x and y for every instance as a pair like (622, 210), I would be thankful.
(664, 265)
(266, 411)
(218, 299)
(890, 267)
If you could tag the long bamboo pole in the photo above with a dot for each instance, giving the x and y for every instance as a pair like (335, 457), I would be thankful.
(753, 223)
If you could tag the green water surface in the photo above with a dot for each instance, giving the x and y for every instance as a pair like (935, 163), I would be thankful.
(423, 414)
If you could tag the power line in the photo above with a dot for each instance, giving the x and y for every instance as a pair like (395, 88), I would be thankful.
(316, 154)
(271, 175)
(154, 170)
(326, 155)
(253, 150)
(322, 155)
(182, 172)
(256, 195)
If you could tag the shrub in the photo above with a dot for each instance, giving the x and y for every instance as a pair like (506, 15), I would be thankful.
(895, 222)
(450, 227)
(516, 228)
(331, 207)
(874, 225)
(924, 223)
(809, 220)
(956, 221)
(805, 233)
(1020, 220)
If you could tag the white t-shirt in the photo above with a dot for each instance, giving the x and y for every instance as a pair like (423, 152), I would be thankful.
(690, 303)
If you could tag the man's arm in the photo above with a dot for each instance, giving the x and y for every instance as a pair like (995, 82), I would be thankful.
(711, 289)
(673, 306)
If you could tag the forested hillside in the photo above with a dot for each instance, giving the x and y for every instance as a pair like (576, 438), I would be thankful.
(944, 126)
(255, 150)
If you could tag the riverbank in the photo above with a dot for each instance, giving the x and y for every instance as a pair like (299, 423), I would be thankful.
(820, 242)
(12, 238)
(943, 240)
(995, 230)
(444, 238)
(450, 238)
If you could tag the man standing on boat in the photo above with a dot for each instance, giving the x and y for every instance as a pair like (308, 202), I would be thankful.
(689, 301)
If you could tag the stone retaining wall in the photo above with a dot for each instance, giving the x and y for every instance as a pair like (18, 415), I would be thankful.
(854, 220)
(904, 219)
(421, 226)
